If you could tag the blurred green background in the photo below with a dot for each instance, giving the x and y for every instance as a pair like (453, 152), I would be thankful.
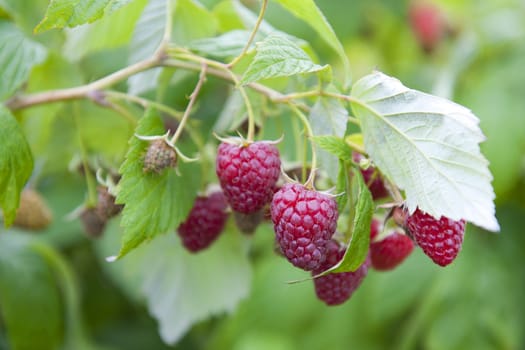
(476, 303)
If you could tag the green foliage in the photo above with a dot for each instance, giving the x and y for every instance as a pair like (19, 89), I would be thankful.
(31, 305)
(77, 94)
(424, 141)
(167, 197)
(334, 145)
(278, 57)
(357, 249)
(16, 164)
(71, 13)
(19, 55)
(308, 11)
(177, 284)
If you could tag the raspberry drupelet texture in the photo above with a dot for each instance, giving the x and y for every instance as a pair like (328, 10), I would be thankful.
(204, 223)
(336, 288)
(373, 179)
(304, 221)
(248, 174)
(159, 156)
(440, 239)
(389, 252)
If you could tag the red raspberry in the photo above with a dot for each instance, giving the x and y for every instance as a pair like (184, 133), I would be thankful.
(248, 174)
(390, 251)
(304, 220)
(336, 288)
(375, 227)
(428, 24)
(204, 223)
(440, 239)
(373, 179)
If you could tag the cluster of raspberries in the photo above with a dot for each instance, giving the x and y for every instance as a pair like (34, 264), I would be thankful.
(305, 220)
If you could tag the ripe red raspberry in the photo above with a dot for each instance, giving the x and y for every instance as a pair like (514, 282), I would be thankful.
(373, 179)
(159, 156)
(204, 223)
(248, 174)
(390, 251)
(304, 221)
(428, 24)
(440, 239)
(336, 288)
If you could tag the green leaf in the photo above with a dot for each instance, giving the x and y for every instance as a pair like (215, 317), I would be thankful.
(16, 164)
(234, 112)
(31, 306)
(94, 37)
(357, 250)
(192, 21)
(18, 56)
(308, 11)
(341, 186)
(154, 203)
(177, 284)
(429, 147)
(278, 57)
(146, 38)
(328, 117)
(229, 44)
(334, 145)
(71, 13)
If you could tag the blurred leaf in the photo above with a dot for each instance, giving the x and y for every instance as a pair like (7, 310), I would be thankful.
(229, 44)
(357, 250)
(334, 145)
(328, 117)
(146, 38)
(424, 142)
(154, 203)
(19, 55)
(308, 11)
(31, 305)
(192, 21)
(94, 37)
(182, 288)
(501, 112)
(16, 164)
(234, 112)
(38, 121)
(278, 57)
(71, 13)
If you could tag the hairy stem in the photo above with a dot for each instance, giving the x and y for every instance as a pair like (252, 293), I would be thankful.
(252, 35)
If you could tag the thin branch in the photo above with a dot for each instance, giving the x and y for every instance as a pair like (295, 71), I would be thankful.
(193, 98)
(23, 101)
(252, 35)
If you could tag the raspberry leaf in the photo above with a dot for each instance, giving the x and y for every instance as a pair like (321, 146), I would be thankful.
(154, 203)
(308, 11)
(177, 284)
(278, 56)
(429, 147)
(357, 250)
(16, 164)
(32, 305)
(19, 56)
(335, 146)
(72, 13)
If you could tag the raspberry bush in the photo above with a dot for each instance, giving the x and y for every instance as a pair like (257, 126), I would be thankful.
(129, 111)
